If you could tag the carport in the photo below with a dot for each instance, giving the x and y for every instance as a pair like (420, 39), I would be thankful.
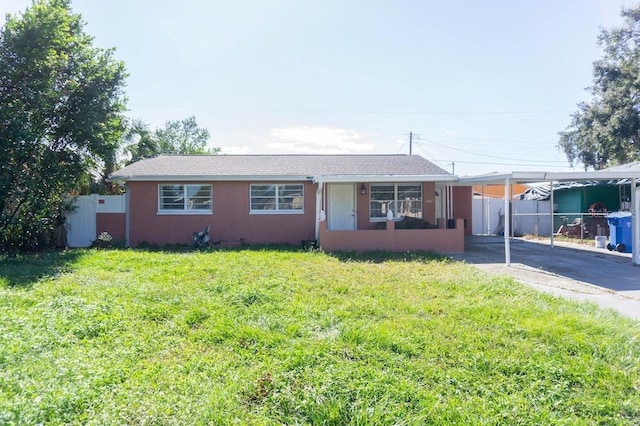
(628, 171)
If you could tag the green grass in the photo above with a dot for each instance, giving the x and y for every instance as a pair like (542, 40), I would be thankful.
(290, 337)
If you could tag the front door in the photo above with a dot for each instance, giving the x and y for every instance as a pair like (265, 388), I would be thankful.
(342, 207)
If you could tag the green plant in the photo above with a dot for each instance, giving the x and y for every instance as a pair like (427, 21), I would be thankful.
(104, 240)
(62, 99)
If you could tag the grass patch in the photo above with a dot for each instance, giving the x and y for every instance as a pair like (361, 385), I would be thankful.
(291, 337)
(25, 270)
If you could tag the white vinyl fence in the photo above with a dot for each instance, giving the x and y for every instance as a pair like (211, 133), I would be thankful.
(81, 223)
(486, 215)
(528, 217)
(531, 217)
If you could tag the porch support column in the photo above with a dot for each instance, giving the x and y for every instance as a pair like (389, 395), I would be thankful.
(319, 214)
(635, 223)
(507, 227)
(552, 216)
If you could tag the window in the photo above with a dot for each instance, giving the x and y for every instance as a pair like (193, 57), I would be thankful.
(403, 199)
(181, 199)
(277, 198)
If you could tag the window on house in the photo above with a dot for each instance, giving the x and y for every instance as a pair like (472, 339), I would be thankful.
(277, 198)
(180, 198)
(403, 199)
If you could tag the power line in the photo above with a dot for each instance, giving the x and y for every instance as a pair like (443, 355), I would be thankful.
(498, 164)
(509, 141)
(332, 111)
(487, 155)
(532, 147)
(430, 157)
(411, 143)
(402, 147)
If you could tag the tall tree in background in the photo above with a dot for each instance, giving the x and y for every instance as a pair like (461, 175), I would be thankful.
(184, 137)
(60, 118)
(177, 137)
(606, 130)
(139, 142)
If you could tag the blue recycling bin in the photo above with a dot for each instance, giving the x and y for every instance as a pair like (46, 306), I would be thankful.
(620, 236)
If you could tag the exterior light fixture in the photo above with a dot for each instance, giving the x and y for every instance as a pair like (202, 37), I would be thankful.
(363, 189)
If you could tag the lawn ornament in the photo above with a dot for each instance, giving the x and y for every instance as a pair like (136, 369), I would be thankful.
(201, 239)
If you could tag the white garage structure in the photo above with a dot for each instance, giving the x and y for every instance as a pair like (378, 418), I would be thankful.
(628, 171)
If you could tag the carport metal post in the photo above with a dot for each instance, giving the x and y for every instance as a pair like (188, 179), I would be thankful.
(635, 222)
(507, 228)
(482, 227)
(552, 211)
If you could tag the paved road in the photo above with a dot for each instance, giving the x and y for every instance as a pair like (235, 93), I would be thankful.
(569, 270)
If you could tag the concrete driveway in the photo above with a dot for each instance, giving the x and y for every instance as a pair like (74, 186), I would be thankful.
(570, 270)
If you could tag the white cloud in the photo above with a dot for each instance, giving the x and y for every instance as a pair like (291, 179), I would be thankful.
(318, 140)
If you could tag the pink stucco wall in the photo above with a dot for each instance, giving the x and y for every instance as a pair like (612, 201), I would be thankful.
(230, 221)
(362, 209)
(113, 223)
(391, 239)
(429, 199)
(462, 201)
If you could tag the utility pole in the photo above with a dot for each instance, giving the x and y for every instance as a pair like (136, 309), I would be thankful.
(410, 143)
(453, 168)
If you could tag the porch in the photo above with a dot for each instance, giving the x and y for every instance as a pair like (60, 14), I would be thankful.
(440, 239)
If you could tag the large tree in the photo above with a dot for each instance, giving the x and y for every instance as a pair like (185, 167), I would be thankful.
(184, 137)
(606, 130)
(176, 137)
(61, 101)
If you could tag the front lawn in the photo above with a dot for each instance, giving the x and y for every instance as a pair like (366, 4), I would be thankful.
(291, 337)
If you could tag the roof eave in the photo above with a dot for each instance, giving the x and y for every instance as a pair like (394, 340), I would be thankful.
(532, 177)
(264, 178)
(383, 178)
(597, 175)
(206, 178)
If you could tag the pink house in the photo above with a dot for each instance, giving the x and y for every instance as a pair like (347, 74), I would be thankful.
(342, 202)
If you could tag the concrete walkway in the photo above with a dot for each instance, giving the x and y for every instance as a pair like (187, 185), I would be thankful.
(572, 270)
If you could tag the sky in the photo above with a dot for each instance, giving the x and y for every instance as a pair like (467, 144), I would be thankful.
(482, 86)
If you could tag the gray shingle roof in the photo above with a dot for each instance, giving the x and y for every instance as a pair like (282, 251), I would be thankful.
(238, 166)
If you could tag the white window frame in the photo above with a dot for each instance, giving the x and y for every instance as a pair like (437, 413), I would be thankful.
(186, 210)
(395, 199)
(277, 209)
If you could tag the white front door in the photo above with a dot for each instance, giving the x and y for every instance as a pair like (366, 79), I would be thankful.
(342, 207)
